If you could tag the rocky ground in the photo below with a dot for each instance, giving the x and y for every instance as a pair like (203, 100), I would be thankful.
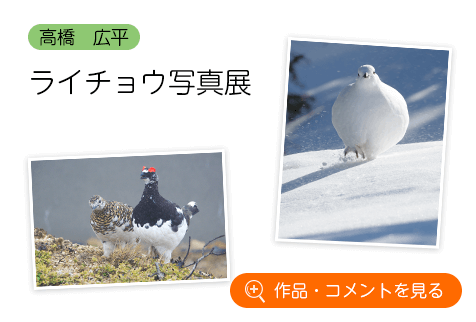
(61, 262)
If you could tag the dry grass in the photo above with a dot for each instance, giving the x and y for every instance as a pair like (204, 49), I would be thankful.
(215, 265)
(61, 262)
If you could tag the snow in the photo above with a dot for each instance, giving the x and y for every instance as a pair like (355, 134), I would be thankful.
(393, 199)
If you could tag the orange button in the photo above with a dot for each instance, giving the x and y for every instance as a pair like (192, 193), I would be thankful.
(346, 290)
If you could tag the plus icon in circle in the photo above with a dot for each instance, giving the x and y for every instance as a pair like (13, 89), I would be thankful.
(254, 289)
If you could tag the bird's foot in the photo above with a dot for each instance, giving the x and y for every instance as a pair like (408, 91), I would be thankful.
(179, 262)
(158, 276)
(357, 150)
(347, 150)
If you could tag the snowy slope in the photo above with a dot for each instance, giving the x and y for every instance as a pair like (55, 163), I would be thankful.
(393, 199)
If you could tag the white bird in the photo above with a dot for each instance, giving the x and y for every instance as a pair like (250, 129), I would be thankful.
(369, 116)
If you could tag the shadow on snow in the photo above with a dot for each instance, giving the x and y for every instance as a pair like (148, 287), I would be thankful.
(317, 175)
(421, 233)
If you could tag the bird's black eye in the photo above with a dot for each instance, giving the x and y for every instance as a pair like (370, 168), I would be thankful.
(358, 74)
(374, 73)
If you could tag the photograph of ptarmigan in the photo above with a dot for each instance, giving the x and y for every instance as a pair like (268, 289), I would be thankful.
(127, 231)
(363, 143)
(111, 222)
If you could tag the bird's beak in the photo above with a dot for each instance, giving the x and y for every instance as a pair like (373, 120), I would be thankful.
(94, 207)
(142, 175)
(366, 75)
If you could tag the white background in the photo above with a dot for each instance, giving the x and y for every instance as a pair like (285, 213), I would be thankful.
(219, 35)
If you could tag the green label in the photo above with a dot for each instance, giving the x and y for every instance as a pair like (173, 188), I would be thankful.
(83, 37)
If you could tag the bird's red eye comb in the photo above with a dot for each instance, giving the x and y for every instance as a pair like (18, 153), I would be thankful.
(143, 168)
(151, 169)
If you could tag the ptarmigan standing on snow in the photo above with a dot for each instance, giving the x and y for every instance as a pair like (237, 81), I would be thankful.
(369, 116)
(158, 222)
(111, 221)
